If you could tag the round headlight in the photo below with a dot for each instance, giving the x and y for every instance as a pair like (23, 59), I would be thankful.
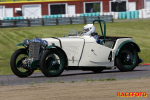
(44, 43)
(26, 42)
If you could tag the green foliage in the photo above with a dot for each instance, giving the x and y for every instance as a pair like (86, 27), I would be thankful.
(107, 79)
(96, 7)
(2, 84)
(72, 81)
(34, 82)
(9, 37)
(49, 81)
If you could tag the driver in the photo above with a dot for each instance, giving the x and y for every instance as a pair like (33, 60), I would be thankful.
(89, 29)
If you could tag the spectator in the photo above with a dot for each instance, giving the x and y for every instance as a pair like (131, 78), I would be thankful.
(91, 10)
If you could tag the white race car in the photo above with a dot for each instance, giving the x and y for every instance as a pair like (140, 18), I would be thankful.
(85, 51)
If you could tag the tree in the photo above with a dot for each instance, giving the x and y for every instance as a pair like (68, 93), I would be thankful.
(96, 7)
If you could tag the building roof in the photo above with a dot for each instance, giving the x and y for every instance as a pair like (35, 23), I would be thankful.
(31, 1)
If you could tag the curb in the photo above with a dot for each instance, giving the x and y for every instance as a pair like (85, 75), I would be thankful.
(146, 64)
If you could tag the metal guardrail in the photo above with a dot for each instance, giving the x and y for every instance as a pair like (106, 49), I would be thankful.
(53, 21)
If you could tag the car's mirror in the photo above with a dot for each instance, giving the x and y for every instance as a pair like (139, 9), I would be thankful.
(72, 32)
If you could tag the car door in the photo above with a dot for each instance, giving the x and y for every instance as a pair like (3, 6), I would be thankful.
(73, 49)
(100, 53)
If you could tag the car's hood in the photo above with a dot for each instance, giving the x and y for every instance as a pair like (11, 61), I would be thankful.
(88, 39)
(63, 40)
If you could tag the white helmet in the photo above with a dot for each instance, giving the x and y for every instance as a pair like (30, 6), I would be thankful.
(88, 29)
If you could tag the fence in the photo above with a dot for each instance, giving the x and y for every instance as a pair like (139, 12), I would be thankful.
(53, 21)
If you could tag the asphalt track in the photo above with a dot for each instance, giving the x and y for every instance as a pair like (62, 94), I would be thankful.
(76, 75)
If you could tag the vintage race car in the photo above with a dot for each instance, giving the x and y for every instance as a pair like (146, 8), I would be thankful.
(77, 51)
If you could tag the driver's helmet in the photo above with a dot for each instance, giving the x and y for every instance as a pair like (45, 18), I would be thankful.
(88, 29)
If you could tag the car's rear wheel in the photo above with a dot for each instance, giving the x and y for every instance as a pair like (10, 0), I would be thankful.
(127, 58)
(52, 63)
(18, 68)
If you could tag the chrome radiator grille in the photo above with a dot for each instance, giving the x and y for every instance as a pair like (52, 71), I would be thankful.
(34, 50)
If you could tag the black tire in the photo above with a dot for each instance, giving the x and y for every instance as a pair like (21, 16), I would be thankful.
(16, 63)
(52, 63)
(98, 70)
(127, 58)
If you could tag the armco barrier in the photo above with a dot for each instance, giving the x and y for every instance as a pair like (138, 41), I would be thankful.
(62, 21)
(49, 21)
(35, 22)
(53, 21)
(22, 23)
(78, 20)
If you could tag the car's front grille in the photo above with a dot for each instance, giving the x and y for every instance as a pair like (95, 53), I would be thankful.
(34, 50)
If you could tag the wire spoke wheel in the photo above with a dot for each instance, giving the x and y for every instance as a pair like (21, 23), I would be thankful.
(127, 58)
(20, 66)
(52, 63)
(17, 66)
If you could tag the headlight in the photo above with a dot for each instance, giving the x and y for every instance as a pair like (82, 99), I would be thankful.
(44, 43)
(26, 42)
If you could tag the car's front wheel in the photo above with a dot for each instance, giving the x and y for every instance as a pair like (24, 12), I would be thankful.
(127, 58)
(18, 68)
(52, 63)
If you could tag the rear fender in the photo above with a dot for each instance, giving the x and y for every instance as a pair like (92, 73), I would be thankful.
(125, 43)
(54, 46)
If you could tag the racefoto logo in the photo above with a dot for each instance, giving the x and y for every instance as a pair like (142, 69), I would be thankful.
(131, 94)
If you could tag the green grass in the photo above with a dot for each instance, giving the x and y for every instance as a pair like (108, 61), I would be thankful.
(9, 37)
(107, 79)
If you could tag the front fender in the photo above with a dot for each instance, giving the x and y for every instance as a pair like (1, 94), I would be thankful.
(54, 46)
(128, 42)
(48, 47)
(20, 44)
